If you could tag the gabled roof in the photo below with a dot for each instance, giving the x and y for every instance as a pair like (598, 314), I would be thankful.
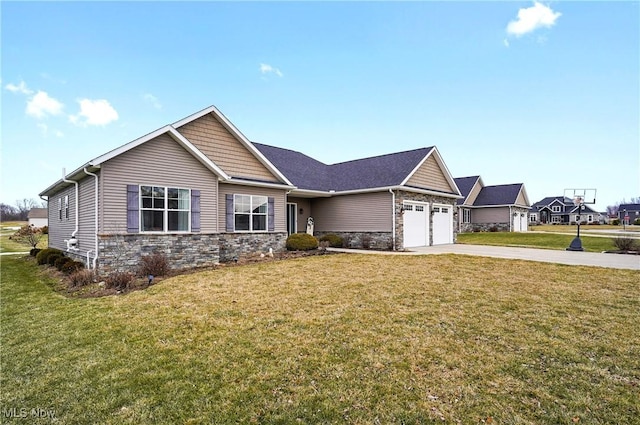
(505, 194)
(548, 201)
(629, 207)
(383, 171)
(465, 184)
(38, 213)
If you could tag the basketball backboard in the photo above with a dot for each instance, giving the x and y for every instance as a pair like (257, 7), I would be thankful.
(581, 196)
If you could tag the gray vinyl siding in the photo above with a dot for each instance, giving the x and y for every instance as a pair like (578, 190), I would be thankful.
(367, 212)
(305, 205)
(279, 196)
(87, 229)
(61, 229)
(490, 215)
(159, 162)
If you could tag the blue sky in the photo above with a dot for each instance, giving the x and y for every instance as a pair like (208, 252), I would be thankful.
(546, 94)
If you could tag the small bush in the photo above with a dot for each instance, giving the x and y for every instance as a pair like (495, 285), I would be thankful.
(34, 251)
(43, 256)
(51, 259)
(615, 222)
(156, 264)
(636, 221)
(493, 228)
(625, 244)
(119, 280)
(301, 242)
(72, 267)
(44, 230)
(60, 262)
(81, 278)
(335, 241)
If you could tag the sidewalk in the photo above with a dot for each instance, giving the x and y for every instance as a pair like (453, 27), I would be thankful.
(573, 258)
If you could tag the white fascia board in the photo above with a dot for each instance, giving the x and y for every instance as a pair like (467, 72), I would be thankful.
(197, 154)
(126, 147)
(441, 164)
(75, 175)
(238, 135)
(403, 188)
(307, 193)
(241, 182)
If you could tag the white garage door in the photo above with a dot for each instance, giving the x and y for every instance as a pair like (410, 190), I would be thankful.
(415, 224)
(524, 222)
(442, 224)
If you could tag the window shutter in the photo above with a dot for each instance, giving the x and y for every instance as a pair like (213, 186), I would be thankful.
(195, 210)
(271, 212)
(133, 209)
(229, 212)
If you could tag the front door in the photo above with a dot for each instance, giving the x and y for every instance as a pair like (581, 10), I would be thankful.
(292, 218)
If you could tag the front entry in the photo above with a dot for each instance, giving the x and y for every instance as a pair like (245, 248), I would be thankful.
(292, 218)
(415, 224)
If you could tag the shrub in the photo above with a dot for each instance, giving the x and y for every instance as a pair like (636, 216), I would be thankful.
(301, 242)
(34, 251)
(81, 278)
(636, 221)
(335, 241)
(625, 244)
(615, 222)
(44, 230)
(156, 264)
(493, 228)
(27, 235)
(61, 261)
(72, 267)
(119, 280)
(51, 259)
(43, 256)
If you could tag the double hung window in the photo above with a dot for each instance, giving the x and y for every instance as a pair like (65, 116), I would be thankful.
(164, 209)
(466, 215)
(250, 213)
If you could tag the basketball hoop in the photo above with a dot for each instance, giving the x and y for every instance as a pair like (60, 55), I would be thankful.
(580, 197)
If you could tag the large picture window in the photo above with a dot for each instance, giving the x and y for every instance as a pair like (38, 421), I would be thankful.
(164, 209)
(250, 213)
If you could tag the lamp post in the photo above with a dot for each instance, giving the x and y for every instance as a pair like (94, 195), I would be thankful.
(624, 220)
(576, 243)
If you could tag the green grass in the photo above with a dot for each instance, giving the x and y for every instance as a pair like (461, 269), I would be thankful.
(7, 228)
(330, 339)
(584, 228)
(535, 240)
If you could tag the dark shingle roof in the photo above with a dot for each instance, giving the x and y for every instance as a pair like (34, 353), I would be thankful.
(465, 184)
(505, 194)
(379, 171)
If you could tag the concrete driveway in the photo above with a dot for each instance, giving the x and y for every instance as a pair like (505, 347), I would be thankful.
(573, 258)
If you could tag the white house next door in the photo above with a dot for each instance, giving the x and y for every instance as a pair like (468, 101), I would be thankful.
(415, 224)
(442, 224)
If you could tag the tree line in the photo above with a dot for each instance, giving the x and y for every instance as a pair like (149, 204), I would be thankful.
(20, 211)
(613, 209)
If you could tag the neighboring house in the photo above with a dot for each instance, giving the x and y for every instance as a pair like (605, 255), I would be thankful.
(483, 208)
(629, 213)
(201, 192)
(38, 217)
(561, 210)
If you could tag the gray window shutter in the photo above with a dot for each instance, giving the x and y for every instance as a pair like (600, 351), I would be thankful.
(271, 213)
(195, 210)
(229, 213)
(133, 209)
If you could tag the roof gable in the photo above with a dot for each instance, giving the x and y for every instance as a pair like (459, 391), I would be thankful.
(506, 194)
(466, 185)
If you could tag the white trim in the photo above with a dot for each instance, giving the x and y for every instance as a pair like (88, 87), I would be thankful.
(251, 214)
(237, 181)
(238, 135)
(165, 211)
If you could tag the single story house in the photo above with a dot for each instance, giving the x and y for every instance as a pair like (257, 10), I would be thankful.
(561, 210)
(628, 213)
(38, 217)
(201, 192)
(482, 208)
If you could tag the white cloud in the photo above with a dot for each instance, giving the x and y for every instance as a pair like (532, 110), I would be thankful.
(19, 88)
(41, 105)
(532, 18)
(149, 98)
(268, 69)
(94, 112)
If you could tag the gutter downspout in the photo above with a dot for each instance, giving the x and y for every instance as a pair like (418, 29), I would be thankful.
(95, 258)
(75, 232)
(393, 217)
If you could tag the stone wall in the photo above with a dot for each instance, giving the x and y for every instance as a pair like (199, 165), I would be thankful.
(235, 245)
(380, 241)
(184, 251)
(490, 227)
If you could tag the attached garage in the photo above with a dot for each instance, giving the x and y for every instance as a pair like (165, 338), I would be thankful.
(416, 224)
(442, 224)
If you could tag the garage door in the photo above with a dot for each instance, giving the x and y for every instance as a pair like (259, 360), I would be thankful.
(416, 224)
(524, 222)
(442, 224)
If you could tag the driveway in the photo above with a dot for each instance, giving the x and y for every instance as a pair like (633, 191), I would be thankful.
(573, 258)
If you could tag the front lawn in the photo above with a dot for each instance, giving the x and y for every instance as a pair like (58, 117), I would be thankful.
(535, 240)
(343, 338)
